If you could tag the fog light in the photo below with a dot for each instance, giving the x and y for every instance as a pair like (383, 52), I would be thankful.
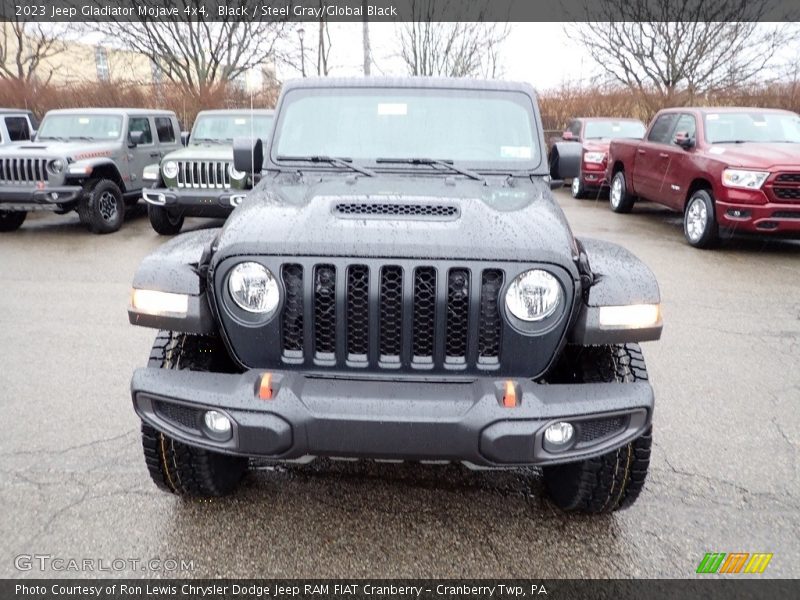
(558, 435)
(217, 423)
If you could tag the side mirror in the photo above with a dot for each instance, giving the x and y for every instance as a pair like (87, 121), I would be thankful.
(135, 138)
(185, 138)
(248, 155)
(565, 160)
(33, 134)
(683, 140)
(567, 136)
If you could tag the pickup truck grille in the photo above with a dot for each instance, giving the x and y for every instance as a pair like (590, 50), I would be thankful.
(391, 317)
(23, 170)
(786, 187)
(204, 174)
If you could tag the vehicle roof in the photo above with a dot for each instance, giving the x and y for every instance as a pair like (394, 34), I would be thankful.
(724, 109)
(110, 111)
(15, 111)
(607, 119)
(238, 111)
(455, 83)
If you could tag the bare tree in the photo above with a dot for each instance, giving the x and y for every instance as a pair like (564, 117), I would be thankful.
(323, 43)
(25, 47)
(672, 51)
(470, 47)
(200, 52)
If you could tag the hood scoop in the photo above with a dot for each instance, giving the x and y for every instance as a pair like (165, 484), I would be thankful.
(397, 210)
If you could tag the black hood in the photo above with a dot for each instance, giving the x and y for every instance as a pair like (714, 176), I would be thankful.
(451, 218)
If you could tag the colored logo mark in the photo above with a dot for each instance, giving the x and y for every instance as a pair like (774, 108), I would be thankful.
(733, 563)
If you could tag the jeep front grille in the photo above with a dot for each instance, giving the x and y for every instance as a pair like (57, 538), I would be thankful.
(23, 170)
(390, 316)
(204, 174)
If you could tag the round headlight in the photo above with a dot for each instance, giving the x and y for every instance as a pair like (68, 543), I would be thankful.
(253, 288)
(534, 295)
(234, 173)
(170, 169)
(56, 166)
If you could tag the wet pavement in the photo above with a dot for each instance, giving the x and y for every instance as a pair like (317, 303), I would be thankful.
(724, 476)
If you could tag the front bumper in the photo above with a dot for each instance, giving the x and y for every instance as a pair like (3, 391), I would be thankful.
(771, 217)
(389, 419)
(15, 197)
(195, 202)
(593, 175)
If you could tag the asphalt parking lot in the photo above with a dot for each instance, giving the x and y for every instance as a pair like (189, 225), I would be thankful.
(724, 476)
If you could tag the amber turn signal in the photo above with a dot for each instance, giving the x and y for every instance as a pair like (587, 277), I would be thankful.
(510, 394)
(265, 387)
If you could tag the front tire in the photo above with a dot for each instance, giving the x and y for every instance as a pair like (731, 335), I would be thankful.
(11, 220)
(614, 480)
(163, 221)
(700, 221)
(176, 467)
(618, 197)
(102, 207)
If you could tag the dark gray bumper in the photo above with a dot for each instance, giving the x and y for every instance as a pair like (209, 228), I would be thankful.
(195, 202)
(385, 419)
(13, 197)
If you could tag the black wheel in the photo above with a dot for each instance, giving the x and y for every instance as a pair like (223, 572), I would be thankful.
(614, 480)
(177, 467)
(102, 207)
(700, 221)
(577, 188)
(12, 220)
(618, 197)
(163, 221)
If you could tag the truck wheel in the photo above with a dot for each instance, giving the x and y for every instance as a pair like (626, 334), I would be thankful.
(177, 467)
(163, 221)
(577, 187)
(618, 197)
(614, 480)
(700, 221)
(102, 207)
(12, 220)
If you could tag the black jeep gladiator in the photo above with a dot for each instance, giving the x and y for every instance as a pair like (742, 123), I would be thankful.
(400, 285)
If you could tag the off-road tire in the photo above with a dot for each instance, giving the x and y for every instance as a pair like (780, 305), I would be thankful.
(163, 222)
(11, 220)
(177, 467)
(707, 236)
(102, 207)
(620, 200)
(614, 480)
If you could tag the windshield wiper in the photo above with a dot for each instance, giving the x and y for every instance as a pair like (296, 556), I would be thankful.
(339, 161)
(81, 137)
(730, 142)
(447, 164)
(51, 137)
(212, 140)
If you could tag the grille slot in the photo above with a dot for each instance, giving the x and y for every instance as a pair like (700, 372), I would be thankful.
(203, 174)
(357, 312)
(325, 312)
(399, 210)
(788, 178)
(424, 313)
(786, 214)
(292, 317)
(23, 170)
(787, 193)
(391, 313)
(179, 415)
(600, 428)
(490, 325)
(457, 315)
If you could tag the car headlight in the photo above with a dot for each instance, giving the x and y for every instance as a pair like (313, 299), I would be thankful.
(594, 157)
(237, 175)
(56, 166)
(534, 295)
(253, 288)
(170, 169)
(741, 178)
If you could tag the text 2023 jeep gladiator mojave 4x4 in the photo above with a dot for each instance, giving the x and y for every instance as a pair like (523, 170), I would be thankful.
(400, 285)
(90, 160)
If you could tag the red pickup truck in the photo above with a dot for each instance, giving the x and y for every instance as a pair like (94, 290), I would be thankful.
(731, 168)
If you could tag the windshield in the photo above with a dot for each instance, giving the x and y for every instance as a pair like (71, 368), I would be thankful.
(752, 127)
(77, 127)
(485, 128)
(223, 128)
(596, 130)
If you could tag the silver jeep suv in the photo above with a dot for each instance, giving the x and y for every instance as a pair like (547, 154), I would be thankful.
(87, 160)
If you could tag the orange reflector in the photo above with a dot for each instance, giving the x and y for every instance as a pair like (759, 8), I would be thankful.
(265, 388)
(510, 396)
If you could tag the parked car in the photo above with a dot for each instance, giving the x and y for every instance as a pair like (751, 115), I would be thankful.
(16, 126)
(89, 160)
(199, 180)
(400, 285)
(724, 168)
(595, 135)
